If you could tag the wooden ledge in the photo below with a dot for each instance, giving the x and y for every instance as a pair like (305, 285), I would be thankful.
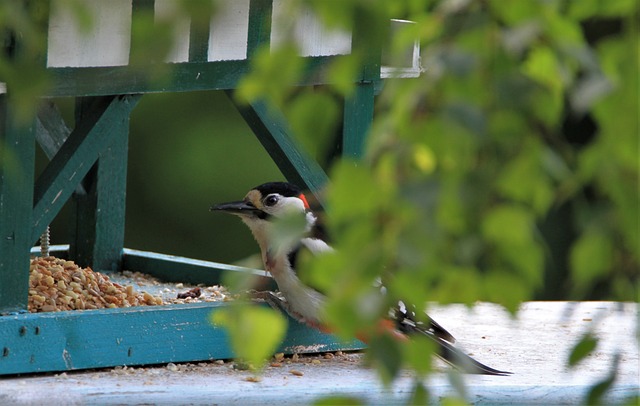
(534, 346)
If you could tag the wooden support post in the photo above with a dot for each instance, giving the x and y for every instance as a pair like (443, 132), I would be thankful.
(17, 156)
(358, 109)
(259, 33)
(100, 212)
(273, 133)
(358, 115)
(199, 38)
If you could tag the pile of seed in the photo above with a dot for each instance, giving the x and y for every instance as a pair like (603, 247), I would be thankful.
(56, 284)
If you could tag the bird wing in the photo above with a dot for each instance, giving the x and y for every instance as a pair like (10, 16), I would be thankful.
(406, 323)
(406, 316)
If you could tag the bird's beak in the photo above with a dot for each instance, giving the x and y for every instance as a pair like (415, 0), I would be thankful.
(240, 207)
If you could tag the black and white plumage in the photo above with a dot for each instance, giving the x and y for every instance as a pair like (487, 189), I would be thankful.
(277, 199)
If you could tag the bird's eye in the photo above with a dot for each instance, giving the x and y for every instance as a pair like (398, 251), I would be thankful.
(271, 200)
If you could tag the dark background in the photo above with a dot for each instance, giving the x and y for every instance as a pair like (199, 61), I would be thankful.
(186, 152)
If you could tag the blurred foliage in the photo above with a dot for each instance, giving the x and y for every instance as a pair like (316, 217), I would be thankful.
(507, 171)
(244, 323)
(23, 41)
(516, 126)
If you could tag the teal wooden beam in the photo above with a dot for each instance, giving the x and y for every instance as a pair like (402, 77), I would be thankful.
(17, 160)
(259, 31)
(98, 237)
(75, 159)
(142, 12)
(271, 129)
(51, 130)
(143, 335)
(199, 38)
(359, 107)
(182, 77)
(357, 119)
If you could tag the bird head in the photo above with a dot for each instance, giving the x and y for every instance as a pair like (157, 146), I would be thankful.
(266, 203)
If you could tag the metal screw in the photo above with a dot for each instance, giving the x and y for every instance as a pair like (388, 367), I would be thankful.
(44, 242)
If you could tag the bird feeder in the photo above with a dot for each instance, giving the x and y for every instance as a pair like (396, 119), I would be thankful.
(88, 163)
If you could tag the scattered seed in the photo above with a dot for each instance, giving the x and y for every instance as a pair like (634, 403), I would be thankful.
(56, 285)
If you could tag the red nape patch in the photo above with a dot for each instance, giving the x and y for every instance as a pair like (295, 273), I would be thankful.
(304, 200)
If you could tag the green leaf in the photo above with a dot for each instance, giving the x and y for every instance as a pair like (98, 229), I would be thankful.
(418, 352)
(343, 73)
(542, 66)
(523, 179)
(591, 258)
(420, 395)
(457, 382)
(316, 132)
(507, 289)
(274, 72)
(354, 191)
(597, 391)
(582, 349)
(254, 331)
(585, 9)
(508, 226)
(458, 285)
(517, 12)
(287, 231)
(385, 353)
(453, 401)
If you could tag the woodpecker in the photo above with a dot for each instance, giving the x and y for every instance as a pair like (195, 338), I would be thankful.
(274, 200)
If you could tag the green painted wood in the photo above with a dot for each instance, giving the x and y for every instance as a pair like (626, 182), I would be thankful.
(358, 108)
(182, 77)
(51, 130)
(142, 12)
(357, 118)
(171, 268)
(100, 212)
(199, 38)
(17, 159)
(259, 31)
(63, 341)
(273, 133)
(75, 159)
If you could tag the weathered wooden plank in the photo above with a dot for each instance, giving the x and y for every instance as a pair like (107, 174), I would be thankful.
(307, 31)
(171, 268)
(537, 356)
(104, 42)
(72, 340)
(75, 158)
(273, 133)
(17, 156)
(229, 31)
